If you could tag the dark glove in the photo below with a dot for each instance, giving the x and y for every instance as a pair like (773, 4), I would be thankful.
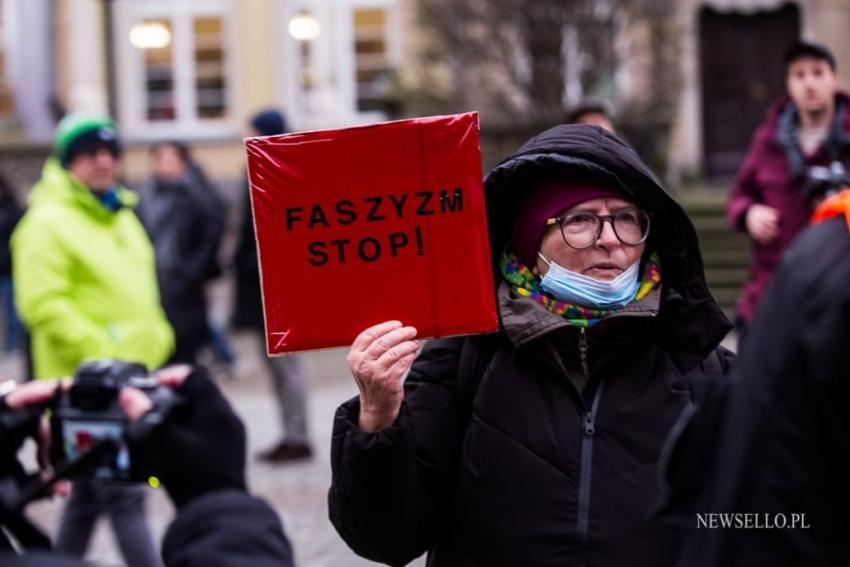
(15, 427)
(200, 448)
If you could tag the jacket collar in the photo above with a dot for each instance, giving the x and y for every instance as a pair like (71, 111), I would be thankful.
(525, 320)
(786, 136)
(57, 184)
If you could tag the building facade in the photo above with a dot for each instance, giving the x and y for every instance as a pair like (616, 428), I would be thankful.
(194, 70)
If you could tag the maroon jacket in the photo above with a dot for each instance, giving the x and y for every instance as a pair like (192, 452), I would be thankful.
(769, 177)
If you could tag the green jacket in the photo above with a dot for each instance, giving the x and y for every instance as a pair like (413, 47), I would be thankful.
(85, 280)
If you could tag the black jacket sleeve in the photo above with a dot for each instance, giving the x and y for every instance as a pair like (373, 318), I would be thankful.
(227, 527)
(785, 429)
(389, 488)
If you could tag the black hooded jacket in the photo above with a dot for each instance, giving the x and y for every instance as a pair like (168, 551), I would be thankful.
(539, 445)
(784, 447)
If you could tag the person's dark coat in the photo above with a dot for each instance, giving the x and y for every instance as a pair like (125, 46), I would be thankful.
(226, 528)
(10, 214)
(248, 304)
(773, 173)
(785, 443)
(501, 454)
(185, 224)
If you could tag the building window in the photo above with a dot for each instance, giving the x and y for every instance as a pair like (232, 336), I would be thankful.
(373, 74)
(210, 80)
(177, 80)
(159, 76)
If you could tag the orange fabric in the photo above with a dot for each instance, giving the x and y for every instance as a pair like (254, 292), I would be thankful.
(833, 206)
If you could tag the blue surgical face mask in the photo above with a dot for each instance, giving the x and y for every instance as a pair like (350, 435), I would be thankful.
(572, 287)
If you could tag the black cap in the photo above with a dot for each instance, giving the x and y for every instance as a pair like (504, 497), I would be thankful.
(809, 49)
(269, 122)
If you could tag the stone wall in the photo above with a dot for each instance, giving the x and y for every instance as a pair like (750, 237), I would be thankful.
(21, 166)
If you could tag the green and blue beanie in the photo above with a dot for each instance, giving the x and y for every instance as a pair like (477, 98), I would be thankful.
(77, 133)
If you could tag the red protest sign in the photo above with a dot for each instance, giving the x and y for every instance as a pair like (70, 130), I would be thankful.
(366, 224)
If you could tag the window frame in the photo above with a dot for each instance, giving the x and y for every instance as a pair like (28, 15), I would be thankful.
(393, 50)
(334, 97)
(131, 72)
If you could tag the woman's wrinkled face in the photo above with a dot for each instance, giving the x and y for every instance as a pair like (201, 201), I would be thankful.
(606, 259)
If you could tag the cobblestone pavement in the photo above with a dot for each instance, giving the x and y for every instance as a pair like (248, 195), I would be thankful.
(297, 491)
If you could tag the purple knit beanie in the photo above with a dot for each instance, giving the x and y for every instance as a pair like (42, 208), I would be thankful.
(552, 197)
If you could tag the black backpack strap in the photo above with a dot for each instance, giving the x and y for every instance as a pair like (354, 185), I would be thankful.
(475, 356)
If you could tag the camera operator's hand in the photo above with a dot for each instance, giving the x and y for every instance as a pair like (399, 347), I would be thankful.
(21, 416)
(200, 448)
(762, 223)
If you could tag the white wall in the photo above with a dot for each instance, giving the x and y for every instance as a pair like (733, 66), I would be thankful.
(27, 27)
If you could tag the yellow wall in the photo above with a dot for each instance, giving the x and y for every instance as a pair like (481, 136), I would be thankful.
(257, 56)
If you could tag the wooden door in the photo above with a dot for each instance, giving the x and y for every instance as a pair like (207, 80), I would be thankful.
(742, 72)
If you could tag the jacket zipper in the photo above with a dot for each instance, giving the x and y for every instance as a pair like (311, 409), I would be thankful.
(585, 466)
(582, 352)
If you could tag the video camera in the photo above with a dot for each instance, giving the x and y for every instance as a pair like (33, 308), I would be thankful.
(91, 435)
(824, 181)
(91, 439)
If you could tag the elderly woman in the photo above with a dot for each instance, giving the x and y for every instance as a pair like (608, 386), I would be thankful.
(538, 445)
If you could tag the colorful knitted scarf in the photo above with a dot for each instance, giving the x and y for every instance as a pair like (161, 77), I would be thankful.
(526, 284)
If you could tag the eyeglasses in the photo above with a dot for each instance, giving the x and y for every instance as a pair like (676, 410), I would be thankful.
(582, 229)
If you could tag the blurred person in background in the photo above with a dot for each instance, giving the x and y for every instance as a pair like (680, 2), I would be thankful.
(593, 113)
(185, 222)
(288, 373)
(219, 342)
(10, 214)
(85, 287)
(807, 127)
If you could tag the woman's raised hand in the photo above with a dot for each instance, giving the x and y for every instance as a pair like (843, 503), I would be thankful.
(379, 358)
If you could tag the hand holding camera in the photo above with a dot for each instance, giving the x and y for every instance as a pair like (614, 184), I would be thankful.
(201, 447)
(116, 423)
(90, 431)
